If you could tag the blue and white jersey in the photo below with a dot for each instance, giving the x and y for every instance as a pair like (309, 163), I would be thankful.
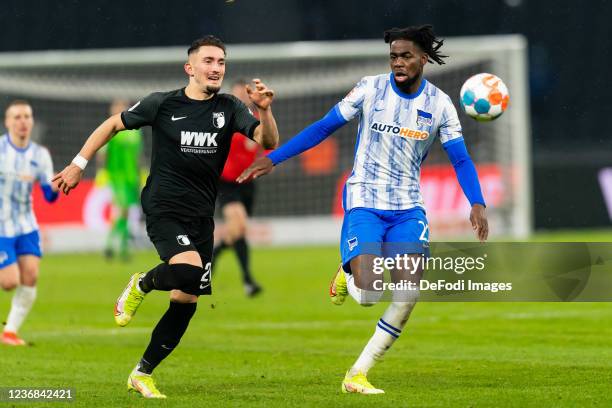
(19, 169)
(396, 130)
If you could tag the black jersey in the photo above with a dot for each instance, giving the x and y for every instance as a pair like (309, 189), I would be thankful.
(191, 141)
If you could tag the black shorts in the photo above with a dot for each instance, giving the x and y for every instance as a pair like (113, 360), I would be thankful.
(172, 236)
(232, 192)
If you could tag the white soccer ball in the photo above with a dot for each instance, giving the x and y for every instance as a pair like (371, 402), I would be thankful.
(484, 97)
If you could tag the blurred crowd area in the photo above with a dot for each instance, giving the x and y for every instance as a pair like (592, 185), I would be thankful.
(569, 54)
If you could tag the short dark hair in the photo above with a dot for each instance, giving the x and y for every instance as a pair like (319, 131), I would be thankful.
(16, 102)
(206, 40)
(423, 36)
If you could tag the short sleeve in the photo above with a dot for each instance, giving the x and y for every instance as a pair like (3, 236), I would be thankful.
(450, 127)
(352, 104)
(244, 121)
(143, 112)
(45, 166)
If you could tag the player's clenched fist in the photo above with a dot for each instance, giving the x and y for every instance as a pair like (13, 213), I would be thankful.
(68, 178)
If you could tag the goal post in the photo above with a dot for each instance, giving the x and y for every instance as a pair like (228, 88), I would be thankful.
(299, 202)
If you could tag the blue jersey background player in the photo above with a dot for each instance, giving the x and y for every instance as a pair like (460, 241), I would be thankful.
(400, 116)
(22, 163)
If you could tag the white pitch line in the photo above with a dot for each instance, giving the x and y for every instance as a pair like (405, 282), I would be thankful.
(92, 331)
(552, 314)
(313, 324)
(316, 324)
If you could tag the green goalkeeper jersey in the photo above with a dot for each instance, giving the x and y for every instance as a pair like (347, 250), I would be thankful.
(122, 157)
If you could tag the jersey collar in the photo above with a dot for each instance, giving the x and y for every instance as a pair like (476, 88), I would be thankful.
(188, 99)
(19, 149)
(403, 94)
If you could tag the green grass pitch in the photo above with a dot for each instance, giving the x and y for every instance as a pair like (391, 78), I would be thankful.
(291, 346)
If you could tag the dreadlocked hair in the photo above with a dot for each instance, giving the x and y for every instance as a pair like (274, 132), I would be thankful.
(423, 36)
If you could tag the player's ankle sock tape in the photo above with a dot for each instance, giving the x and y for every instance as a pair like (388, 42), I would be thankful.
(242, 251)
(175, 276)
(166, 335)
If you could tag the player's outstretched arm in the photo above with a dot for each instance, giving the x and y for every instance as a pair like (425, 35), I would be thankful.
(70, 177)
(468, 179)
(266, 134)
(260, 167)
(306, 139)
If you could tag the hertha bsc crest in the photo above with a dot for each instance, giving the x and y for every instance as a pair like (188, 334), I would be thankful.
(218, 119)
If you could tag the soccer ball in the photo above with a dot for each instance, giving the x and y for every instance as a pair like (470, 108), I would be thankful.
(484, 97)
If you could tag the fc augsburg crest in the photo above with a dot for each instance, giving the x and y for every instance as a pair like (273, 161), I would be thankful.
(218, 119)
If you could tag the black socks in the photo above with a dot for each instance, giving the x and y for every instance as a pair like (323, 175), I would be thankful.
(147, 283)
(166, 335)
(242, 251)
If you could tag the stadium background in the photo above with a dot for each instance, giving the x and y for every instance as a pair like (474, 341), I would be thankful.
(567, 73)
(290, 346)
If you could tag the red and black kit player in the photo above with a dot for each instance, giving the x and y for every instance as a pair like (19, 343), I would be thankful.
(235, 200)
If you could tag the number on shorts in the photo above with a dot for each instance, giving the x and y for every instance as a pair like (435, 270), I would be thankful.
(206, 276)
(424, 235)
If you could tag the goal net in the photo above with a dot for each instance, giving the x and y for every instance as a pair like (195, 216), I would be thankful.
(300, 201)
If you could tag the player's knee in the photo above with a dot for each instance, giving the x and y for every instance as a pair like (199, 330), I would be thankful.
(235, 216)
(188, 278)
(9, 277)
(178, 296)
(29, 277)
(242, 228)
(9, 284)
(241, 222)
(234, 231)
(405, 298)
(231, 235)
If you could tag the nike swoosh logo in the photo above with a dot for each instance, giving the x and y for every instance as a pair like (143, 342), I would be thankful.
(203, 286)
(179, 118)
